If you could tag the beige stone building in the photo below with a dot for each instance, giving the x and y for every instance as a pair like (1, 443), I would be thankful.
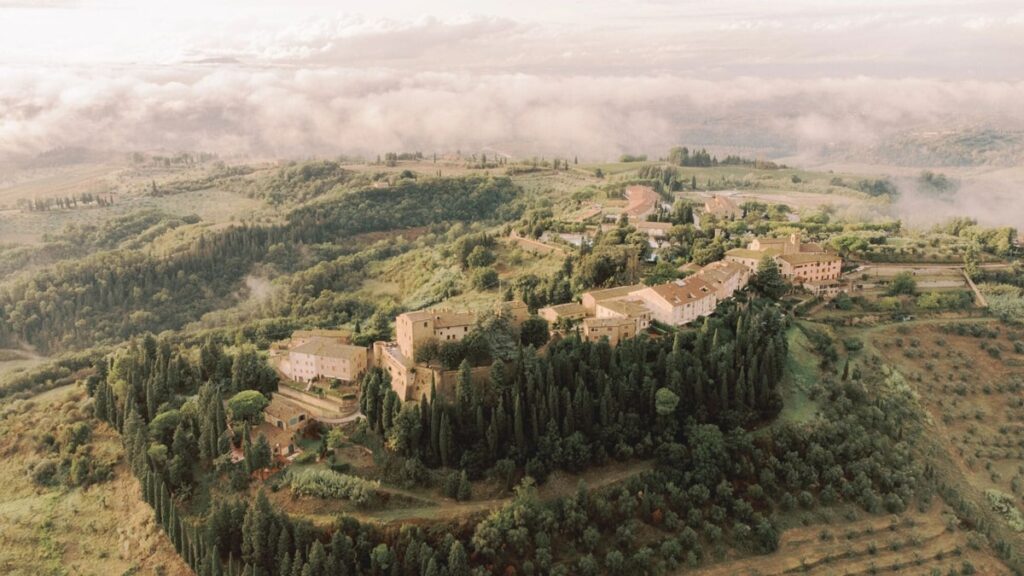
(413, 328)
(570, 312)
(749, 258)
(318, 357)
(590, 299)
(680, 302)
(726, 277)
(634, 311)
(722, 207)
(285, 414)
(654, 230)
(799, 262)
(516, 311)
(412, 381)
(801, 268)
(388, 357)
(614, 329)
(788, 245)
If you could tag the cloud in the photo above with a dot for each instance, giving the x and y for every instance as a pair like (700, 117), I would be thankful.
(350, 40)
(326, 111)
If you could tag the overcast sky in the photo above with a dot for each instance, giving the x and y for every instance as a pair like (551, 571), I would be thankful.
(595, 77)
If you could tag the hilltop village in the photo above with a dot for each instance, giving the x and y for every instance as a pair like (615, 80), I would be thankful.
(517, 367)
(610, 314)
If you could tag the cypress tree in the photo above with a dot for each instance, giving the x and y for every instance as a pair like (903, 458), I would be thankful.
(458, 563)
(520, 428)
(447, 450)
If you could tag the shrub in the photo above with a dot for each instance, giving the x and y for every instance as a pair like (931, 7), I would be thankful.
(1004, 505)
(44, 472)
(322, 483)
(852, 344)
(902, 283)
(484, 278)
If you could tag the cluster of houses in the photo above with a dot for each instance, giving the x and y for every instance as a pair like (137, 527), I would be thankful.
(625, 311)
(804, 264)
(615, 313)
(325, 355)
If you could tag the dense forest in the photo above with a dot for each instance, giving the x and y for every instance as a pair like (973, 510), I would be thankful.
(112, 295)
(582, 403)
(683, 401)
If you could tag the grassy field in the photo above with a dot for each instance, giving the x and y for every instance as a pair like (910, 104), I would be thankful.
(41, 183)
(212, 207)
(802, 374)
(14, 362)
(103, 529)
(129, 187)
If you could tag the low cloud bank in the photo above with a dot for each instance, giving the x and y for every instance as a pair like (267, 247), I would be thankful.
(992, 200)
(282, 111)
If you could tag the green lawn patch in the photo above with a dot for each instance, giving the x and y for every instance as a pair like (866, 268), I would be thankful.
(802, 373)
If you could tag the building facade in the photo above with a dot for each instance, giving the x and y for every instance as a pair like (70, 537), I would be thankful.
(680, 302)
(802, 268)
(614, 329)
(320, 357)
(633, 310)
(413, 328)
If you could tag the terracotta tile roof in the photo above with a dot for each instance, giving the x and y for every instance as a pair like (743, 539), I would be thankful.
(617, 292)
(642, 200)
(568, 309)
(685, 291)
(442, 318)
(630, 308)
(328, 349)
(726, 266)
(808, 258)
(645, 225)
(755, 254)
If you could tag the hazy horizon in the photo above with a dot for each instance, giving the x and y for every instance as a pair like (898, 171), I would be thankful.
(593, 79)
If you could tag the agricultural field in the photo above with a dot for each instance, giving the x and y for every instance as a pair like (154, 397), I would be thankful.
(50, 528)
(970, 378)
(932, 541)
